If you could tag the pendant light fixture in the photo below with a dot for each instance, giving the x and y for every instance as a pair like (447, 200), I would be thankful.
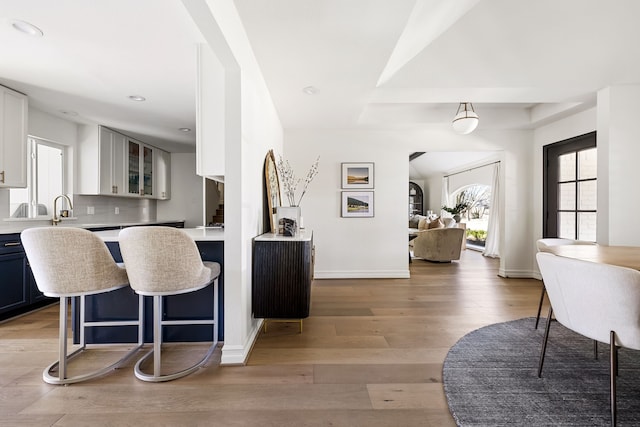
(466, 119)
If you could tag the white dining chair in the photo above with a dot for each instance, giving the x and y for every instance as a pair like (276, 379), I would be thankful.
(70, 262)
(544, 245)
(164, 261)
(598, 301)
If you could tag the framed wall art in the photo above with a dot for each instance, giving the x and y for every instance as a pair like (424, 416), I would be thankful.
(357, 175)
(357, 204)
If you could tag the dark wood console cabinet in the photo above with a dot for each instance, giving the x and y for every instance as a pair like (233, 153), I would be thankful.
(282, 276)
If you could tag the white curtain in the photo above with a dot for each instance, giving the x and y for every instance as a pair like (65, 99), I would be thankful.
(492, 244)
(445, 192)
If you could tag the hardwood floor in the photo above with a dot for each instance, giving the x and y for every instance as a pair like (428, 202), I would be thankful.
(371, 355)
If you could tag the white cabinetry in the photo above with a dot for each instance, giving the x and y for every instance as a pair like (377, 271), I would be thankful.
(111, 162)
(13, 138)
(139, 169)
(163, 174)
(211, 114)
(101, 165)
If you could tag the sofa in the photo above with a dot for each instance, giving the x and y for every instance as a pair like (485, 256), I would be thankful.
(435, 239)
(439, 244)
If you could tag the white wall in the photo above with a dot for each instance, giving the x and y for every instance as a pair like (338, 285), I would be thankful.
(254, 128)
(46, 126)
(353, 247)
(618, 171)
(186, 192)
(482, 175)
(574, 125)
(64, 132)
(433, 186)
(383, 239)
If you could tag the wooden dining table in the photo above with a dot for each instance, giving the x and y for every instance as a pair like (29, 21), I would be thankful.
(622, 256)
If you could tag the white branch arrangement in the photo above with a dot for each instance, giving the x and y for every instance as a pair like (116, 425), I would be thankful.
(290, 182)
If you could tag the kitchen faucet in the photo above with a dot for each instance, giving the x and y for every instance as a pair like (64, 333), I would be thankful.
(55, 220)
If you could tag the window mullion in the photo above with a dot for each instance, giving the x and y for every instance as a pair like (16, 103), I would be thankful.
(577, 197)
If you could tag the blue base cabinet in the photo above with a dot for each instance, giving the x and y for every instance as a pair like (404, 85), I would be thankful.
(123, 305)
(18, 291)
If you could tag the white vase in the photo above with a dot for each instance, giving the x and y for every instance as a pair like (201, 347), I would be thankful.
(288, 220)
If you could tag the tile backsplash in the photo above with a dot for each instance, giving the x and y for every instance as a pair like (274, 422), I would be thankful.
(130, 210)
(104, 209)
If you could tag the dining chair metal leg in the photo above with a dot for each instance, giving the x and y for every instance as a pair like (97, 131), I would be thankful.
(540, 305)
(544, 342)
(613, 373)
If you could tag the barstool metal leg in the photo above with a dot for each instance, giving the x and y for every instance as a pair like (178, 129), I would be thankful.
(157, 335)
(62, 343)
(157, 342)
(60, 365)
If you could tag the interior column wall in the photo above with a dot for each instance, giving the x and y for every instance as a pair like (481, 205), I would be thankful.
(253, 129)
(618, 171)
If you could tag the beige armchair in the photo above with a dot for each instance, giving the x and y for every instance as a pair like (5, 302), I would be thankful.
(439, 244)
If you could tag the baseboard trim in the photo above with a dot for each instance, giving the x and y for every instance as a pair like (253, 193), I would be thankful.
(362, 274)
(517, 274)
(238, 354)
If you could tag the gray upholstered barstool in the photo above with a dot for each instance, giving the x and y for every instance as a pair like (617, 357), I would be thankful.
(163, 261)
(73, 262)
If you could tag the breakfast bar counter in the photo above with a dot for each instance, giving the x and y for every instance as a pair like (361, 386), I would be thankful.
(199, 234)
(19, 293)
(123, 303)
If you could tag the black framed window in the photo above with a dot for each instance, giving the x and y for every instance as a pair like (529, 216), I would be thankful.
(570, 188)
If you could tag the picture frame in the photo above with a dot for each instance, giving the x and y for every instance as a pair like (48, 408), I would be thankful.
(357, 204)
(359, 175)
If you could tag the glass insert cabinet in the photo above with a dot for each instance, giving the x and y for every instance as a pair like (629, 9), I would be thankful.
(140, 169)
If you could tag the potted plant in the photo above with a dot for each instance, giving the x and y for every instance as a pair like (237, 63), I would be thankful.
(457, 210)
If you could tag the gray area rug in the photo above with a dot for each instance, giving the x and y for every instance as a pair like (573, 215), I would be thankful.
(490, 379)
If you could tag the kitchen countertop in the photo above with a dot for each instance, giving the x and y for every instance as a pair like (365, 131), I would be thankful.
(13, 227)
(198, 234)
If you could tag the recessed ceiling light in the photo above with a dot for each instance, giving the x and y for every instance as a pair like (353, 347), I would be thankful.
(185, 129)
(310, 90)
(27, 28)
(137, 98)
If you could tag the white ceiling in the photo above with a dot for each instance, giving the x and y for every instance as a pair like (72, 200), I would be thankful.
(374, 63)
(94, 54)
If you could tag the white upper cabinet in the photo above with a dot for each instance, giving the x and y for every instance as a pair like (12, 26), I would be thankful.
(14, 108)
(163, 174)
(140, 169)
(210, 115)
(101, 164)
(111, 162)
